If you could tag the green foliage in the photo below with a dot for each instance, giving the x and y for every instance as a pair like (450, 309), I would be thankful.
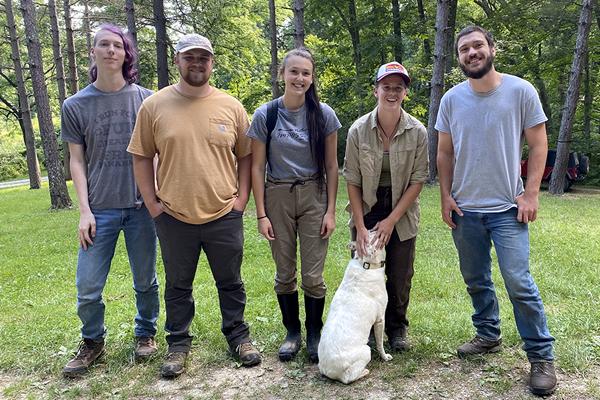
(12, 161)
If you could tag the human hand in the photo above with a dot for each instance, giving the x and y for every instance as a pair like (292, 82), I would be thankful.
(265, 228)
(384, 229)
(449, 205)
(328, 225)
(527, 206)
(362, 241)
(87, 229)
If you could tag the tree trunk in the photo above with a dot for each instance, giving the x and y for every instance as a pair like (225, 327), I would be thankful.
(60, 74)
(59, 195)
(437, 82)
(85, 26)
(355, 36)
(72, 59)
(557, 181)
(541, 87)
(426, 44)
(450, 42)
(298, 23)
(275, 91)
(588, 99)
(160, 23)
(398, 47)
(130, 12)
(33, 166)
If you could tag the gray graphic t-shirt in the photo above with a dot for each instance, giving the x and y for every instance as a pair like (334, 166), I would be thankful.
(487, 135)
(103, 122)
(289, 151)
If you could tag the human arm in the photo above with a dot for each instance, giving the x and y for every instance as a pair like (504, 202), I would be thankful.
(445, 166)
(143, 170)
(244, 183)
(331, 170)
(528, 201)
(386, 226)
(362, 233)
(259, 159)
(86, 230)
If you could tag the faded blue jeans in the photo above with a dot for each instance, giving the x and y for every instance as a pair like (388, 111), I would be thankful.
(473, 238)
(94, 263)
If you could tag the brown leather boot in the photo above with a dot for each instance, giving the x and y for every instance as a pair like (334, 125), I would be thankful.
(89, 351)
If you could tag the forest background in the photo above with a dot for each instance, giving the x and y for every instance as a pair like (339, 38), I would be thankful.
(536, 40)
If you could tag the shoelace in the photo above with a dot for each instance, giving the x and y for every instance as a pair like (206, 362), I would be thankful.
(540, 368)
(84, 350)
(244, 347)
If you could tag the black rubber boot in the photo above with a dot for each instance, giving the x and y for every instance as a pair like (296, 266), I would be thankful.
(288, 303)
(314, 323)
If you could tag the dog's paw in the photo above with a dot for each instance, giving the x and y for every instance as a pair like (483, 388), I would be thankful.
(387, 357)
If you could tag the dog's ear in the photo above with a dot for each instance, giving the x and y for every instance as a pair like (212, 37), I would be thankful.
(352, 246)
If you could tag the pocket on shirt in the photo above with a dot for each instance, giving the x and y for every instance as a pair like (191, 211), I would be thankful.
(366, 160)
(221, 133)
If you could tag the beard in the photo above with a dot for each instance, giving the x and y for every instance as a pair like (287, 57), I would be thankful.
(480, 73)
(194, 78)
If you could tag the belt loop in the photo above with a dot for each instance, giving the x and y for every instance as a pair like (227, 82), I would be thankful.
(296, 183)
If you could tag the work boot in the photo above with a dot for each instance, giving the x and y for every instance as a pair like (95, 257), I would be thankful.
(145, 347)
(542, 379)
(479, 346)
(174, 364)
(288, 303)
(247, 354)
(314, 322)
(399, 342)
(87, 353)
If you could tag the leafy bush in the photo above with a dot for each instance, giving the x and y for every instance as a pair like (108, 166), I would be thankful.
(12, 160)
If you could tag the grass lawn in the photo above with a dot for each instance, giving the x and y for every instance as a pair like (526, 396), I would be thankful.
(39, 328)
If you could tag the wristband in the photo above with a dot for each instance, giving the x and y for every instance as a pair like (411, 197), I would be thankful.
(264, 216)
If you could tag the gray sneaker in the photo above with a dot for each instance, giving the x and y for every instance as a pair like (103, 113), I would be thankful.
(174, 364)
(89, 351)
(479, 346)
(542, 379)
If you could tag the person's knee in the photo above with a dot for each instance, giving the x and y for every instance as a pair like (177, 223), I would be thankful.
(314, 288)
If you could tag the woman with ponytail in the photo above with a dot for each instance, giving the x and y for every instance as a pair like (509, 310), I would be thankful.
(294, 138)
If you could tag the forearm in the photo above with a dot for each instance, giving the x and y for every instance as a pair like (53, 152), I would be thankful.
(406, 200)
(258, 187)
(143, 169)
(355, 197)
(332, 186)
(79, 176)
(445, 166)
(244, 179)
(535, 168)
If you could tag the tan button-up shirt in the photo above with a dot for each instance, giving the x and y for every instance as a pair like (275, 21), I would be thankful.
(408, 164)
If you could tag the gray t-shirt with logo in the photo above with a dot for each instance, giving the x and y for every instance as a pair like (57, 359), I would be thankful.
(487, 132)
(289, 150)
(103, 122)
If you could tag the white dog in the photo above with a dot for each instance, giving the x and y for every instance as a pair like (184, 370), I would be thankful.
(358, 304)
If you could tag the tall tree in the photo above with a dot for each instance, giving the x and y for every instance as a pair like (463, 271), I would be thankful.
(85, 26)
(397, 24)
(423, 20)
(60, 74)
(130, 12)
(298, 9)
(275, 90)
(588, 100)
(59, 195)
(160, 24)
(437, 81)
(557, 181)
(452, 6)
(24, 114)
(71, 55)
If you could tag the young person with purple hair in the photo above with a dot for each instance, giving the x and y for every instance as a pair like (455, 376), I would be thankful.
(97, 123)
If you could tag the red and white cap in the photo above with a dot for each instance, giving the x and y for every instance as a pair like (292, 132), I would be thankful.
(393, 67)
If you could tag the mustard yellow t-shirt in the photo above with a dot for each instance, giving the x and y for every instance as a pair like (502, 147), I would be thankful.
(198, 142)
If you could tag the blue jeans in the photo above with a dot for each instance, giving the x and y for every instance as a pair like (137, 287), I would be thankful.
(94, 263)
(473, 238)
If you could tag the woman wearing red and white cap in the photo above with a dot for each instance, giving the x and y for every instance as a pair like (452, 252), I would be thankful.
(385, 167)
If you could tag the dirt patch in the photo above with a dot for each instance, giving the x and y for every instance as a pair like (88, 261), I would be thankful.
(455, 379)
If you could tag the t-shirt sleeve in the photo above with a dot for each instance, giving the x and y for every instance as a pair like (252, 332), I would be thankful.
(142, 139)
(258, 127)
(70, 128)
(533, 110)
(332, 123)
(442, 123)
(243, 144)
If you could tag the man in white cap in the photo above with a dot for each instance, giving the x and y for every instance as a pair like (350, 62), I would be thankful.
(385, 167)
(202, 187)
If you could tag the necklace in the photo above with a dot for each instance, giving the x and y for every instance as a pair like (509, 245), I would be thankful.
(388, 136)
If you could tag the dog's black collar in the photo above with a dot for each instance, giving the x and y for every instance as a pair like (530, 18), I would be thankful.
(367, 265)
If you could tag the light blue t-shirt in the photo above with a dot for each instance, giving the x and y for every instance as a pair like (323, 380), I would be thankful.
(289, 150)
(487, 131)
